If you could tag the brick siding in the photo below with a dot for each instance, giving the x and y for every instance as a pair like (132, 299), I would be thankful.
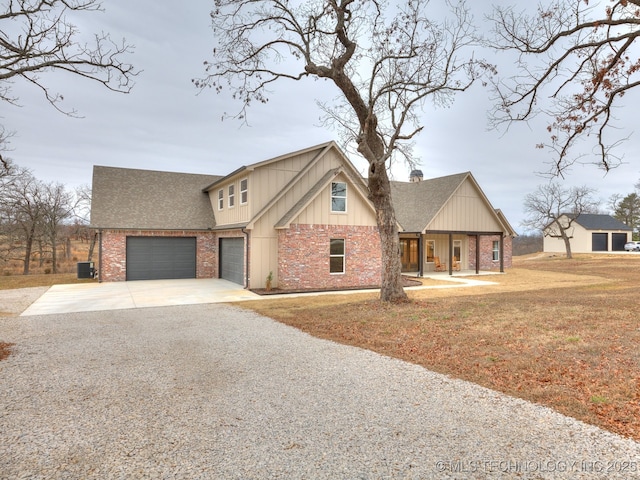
(303, 257)
(486, 252)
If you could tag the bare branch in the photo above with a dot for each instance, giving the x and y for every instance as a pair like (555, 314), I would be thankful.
(575, 64)
(553, 210)
(36, 37)
(386, 61)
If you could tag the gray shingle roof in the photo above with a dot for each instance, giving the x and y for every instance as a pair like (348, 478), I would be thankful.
(591, 221)
(147, 199)
(417, 203)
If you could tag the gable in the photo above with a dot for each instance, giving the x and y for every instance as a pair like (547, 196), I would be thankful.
(451, 203)
(417, 203)
(467, 210)
(290, 183)
(573, 229)
(317, 209)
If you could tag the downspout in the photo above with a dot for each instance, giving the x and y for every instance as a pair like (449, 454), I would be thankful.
(478, 254)
(246, 260)
(99, 255)
(502, 253)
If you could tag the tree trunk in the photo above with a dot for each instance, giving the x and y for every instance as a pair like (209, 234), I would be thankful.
(27, 251)
(567, 243)
(54, 253)
(92, 246)
(392, 289)
(40, 252)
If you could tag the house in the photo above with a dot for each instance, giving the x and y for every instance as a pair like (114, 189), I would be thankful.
(300, 221)
(450, 219)
(588, 233)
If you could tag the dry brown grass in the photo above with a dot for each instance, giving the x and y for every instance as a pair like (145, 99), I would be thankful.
(26, 281)
(563, 333)
(78, 253)
(11, 273)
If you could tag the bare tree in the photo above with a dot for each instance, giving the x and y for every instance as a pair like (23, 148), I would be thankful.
(553, 209)
(57, 206)
(576, 61)
(36, 36)
(22, 216)
(386, 61)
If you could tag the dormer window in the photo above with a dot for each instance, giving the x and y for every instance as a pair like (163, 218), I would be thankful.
(338, 197)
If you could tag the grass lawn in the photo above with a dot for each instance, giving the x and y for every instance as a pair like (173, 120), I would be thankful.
(562, 333)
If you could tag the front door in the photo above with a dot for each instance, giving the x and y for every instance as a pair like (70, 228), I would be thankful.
(410, 259)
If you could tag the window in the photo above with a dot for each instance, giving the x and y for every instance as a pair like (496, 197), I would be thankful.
(338, 197)
(336, 256)
(220, 199)
(496, 250)
(457, 250)
(430, 248)
(232, 195)
(243, 191)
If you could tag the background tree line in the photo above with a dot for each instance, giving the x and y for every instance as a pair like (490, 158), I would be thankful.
(627, 209)
(38, 220)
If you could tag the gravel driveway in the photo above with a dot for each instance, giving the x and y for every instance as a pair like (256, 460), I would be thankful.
(213, 391)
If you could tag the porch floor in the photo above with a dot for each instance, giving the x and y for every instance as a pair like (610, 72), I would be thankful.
(455, 273)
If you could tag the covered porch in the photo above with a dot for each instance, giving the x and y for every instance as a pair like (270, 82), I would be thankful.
(462, 253)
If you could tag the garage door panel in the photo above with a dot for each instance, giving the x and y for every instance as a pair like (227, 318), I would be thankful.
(232, 260)
(618, 240)
(154, 258)
(599, 242)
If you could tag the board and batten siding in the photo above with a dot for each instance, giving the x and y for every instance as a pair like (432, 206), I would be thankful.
(466, 211)
(239, 213)
(269, 180)
(319, 210)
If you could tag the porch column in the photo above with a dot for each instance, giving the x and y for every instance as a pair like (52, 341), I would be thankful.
(477, 254)
(450, 254)
(502, 253)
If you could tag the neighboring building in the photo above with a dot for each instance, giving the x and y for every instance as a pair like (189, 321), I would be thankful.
(588, 233)
(302, 219)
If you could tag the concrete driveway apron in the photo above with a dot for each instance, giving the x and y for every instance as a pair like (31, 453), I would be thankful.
(89, 297)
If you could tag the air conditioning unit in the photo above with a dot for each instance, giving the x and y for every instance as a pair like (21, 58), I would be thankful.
(86, 270)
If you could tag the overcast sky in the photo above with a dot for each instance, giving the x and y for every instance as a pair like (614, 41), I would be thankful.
(165, 125)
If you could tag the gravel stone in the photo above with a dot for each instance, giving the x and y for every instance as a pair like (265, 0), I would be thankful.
(214, 391)
(15, 301)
